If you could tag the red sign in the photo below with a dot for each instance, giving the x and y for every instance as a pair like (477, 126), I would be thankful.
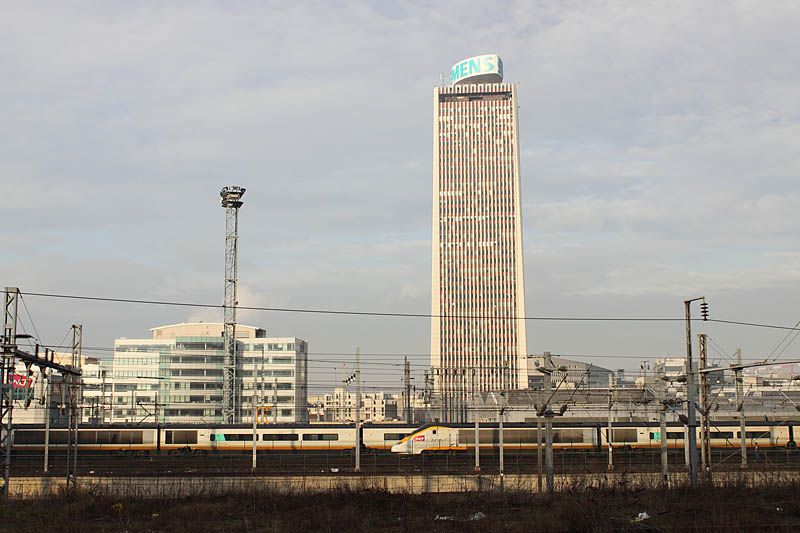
(419, 438)
(20, 381)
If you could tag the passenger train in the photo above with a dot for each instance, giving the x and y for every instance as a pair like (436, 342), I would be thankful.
(626, 435)
(388, 438)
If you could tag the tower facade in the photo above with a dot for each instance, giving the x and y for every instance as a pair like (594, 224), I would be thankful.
(478, 341)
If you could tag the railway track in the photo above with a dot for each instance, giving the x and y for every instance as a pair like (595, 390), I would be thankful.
(565, 462)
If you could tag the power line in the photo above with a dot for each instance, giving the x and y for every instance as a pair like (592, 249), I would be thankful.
(403, 315)
(752, 324)
(33, 324)
(352, 313)
(123, 353)
(784, 340)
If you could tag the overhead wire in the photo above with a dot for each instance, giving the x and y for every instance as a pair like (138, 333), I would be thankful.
(785, 343)
(111, 350)
(349, 312)
(33, 324)
(402, 314)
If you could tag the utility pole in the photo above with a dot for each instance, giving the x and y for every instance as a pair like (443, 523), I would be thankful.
(10, 354)
(158, 419)
(258, 394)
(662, 419)
(740, 406)
(609, 436)
(539, 451)
(500, 417)
(9, 347)
(443, 393)
(231, 200)
(407, 382)
(476, 414)
(255, 423)
(47, 415)
(358, 410)
(275, 401)
(74, 416)
(705, 394)
(427, 393)
(691, 393)
(548, 423)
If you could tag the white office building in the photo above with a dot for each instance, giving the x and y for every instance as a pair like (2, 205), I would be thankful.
(176, 376)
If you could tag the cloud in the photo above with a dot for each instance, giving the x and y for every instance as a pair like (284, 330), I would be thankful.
(660, 153)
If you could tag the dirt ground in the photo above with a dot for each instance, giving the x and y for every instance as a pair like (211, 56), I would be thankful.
(727, 509)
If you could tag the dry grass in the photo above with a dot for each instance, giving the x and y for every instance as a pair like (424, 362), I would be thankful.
(576, 509)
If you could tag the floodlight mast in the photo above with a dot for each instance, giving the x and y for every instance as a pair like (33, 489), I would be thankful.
(231, 200)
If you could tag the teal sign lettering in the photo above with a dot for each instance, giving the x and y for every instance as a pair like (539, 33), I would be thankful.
(476, 66)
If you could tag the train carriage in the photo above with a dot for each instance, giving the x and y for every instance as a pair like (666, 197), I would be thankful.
(632, 435)
(384, 438)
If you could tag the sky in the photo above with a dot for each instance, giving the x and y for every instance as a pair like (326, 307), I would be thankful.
(660, 157)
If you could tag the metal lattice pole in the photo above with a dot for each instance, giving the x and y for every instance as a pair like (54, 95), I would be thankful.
(705, 426)
(661, 389)
(691, 397)
(740, 408)
(358, 410)
(231, 200)
(74, 391)
(9, 348)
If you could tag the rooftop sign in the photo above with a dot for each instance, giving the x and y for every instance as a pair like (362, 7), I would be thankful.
(479, 69)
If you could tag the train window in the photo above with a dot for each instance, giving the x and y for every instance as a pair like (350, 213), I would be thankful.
(671, 435)
(623, 435)
(394, 436)
(569, 435)
(487, 436)
(515, 436)
(29, 437)
(231, 437)
(87, 437)
(761, 434)
(130, 437)
(181, 436)
(722, 434)
(279, 436)
(321, 436)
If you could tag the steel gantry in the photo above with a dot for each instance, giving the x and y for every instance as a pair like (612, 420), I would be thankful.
(231, 200)
(10, 354)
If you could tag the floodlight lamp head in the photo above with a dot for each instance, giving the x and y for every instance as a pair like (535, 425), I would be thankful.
(231, 196)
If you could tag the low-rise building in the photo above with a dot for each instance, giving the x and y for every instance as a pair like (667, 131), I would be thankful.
(572, 373)
(176, 376)
(340, 406)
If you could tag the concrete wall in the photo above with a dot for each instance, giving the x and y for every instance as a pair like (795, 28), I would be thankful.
(172, 487)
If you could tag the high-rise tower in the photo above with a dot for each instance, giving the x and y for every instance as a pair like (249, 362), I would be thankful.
(478, 296)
